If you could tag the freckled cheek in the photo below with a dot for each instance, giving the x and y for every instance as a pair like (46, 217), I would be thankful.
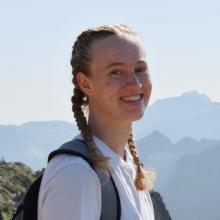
(146, 83)
(113, 84)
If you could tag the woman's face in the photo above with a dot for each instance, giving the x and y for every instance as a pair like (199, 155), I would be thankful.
(119, 85)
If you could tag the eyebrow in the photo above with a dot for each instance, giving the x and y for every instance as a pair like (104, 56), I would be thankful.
(122, 64)
(114, 64)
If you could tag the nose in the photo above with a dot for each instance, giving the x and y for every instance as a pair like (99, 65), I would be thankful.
(133, 81)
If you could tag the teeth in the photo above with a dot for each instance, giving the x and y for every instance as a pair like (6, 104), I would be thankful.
(132, 98)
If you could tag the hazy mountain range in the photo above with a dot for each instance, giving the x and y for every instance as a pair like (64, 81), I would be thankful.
(189, 115)
(192, 192)
(179, 137)
(158, 152)
(192, 114)
(188, 174)
(32, 141)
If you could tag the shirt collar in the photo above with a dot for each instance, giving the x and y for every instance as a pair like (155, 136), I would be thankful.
(115, 159)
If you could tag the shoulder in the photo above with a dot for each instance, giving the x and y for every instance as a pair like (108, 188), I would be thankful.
(72, 169)
(68, 179)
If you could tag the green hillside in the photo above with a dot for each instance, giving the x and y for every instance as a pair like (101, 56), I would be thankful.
(15, 178)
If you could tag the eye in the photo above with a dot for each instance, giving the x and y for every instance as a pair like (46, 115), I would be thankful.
(115, 73)
(141, 69)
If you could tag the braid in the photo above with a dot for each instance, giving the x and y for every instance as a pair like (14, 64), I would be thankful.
(77, 101)
(80, 62)
(144, 179)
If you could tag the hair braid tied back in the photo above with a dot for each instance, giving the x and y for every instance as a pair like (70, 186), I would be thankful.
(144, 178)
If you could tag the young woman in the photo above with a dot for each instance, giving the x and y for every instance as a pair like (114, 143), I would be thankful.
(112, 88)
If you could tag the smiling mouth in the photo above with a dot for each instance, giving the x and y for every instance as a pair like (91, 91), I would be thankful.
(133, 98)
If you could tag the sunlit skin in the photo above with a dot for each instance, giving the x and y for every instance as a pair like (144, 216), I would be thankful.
(118, 88)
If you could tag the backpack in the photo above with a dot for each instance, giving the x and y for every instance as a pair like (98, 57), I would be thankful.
(111, 208)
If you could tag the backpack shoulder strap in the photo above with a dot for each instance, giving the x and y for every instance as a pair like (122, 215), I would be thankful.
(160, 210)
(76, 148)
(27, 208)
(111, 207)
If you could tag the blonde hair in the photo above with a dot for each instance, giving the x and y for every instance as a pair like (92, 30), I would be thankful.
(80, 61)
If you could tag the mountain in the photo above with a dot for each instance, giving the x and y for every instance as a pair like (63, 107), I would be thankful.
(193, 191)
(32, 141)
(15, 178)
(158, 152)
(188, 174)
(190, 115)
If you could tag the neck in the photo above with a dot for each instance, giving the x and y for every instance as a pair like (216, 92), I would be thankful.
(114, 133)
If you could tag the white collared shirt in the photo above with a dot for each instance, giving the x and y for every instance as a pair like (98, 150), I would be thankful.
(70, 189)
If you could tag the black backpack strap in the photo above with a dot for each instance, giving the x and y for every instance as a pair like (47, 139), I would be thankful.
(118, 214)
(27, 209)
(74, 147)
(111, 206)
(70, 152)
(160, 210)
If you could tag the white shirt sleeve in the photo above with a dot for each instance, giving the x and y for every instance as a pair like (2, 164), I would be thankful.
(70, 190)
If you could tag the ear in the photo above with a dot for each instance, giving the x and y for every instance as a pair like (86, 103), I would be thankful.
(84, 83)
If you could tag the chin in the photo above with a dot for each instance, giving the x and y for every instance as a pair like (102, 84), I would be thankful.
(135, 117)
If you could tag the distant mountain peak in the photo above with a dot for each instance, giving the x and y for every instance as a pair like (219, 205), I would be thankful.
(157, 135)
(187, 140)
(197, 95)
(186, 96)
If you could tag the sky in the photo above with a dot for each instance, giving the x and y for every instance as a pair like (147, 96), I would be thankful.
(181, 39)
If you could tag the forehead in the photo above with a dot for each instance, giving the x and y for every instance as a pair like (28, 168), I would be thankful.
(126, 50)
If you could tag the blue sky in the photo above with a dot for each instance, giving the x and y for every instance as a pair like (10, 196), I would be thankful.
(181, 39)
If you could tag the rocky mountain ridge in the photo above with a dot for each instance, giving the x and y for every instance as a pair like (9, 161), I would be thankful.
(15, 178)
